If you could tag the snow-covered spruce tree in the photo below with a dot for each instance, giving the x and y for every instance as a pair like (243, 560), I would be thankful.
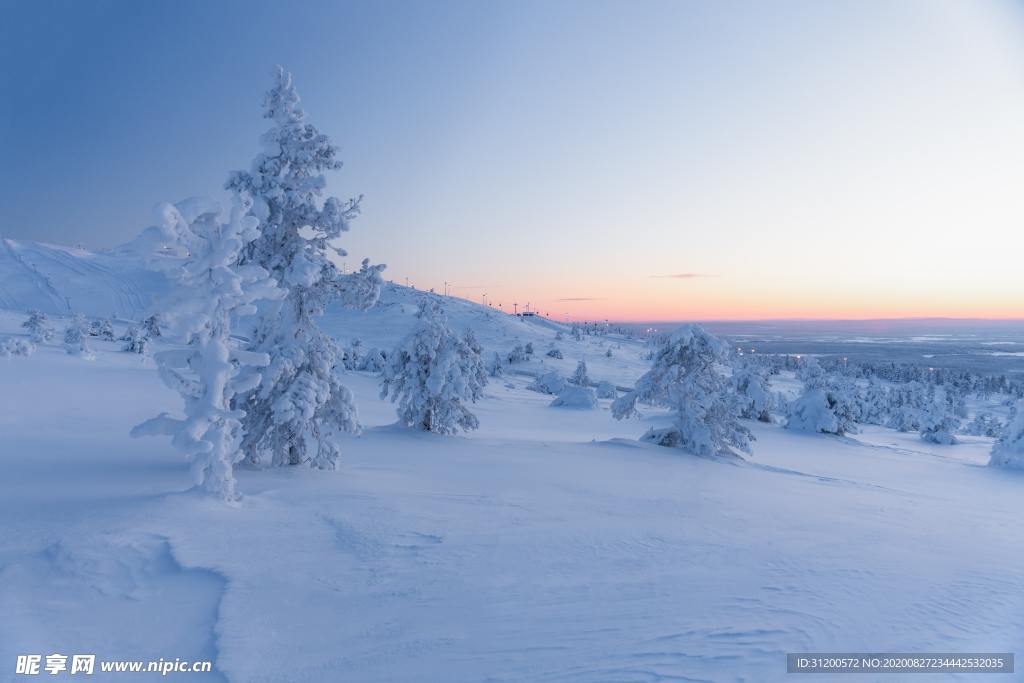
(291, 417)
(76, 338)
(984, 424)
(496, 367)
(751, 389)
(938, 423)
(1009, 450)
(554, 353)
(212, 290)
(579, 375)
(135, 340)
(432, 373)
(685, 377)
(38, 327)
(151, 325)
(827, 405)
(102, 329)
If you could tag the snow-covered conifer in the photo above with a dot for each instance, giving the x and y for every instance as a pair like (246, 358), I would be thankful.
(984, 424)
(554, 353)
(373, 361)
(605, 390)
(209, 372)
(751, 389)
(102, 329)
(496, 367)
(549, 382)
(528, 349)
(76, 338)
(576, 396)
(685, 377)
(828, 404)
(151, 325)
(38, 327)
(579, 376)
(608, 353)
(1009, 450)
(432, 374)
(810, 413)
(937, 422)
(135, 340)
(292, 416)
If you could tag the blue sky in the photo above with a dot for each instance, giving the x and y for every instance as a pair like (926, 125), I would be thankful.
(822, 159)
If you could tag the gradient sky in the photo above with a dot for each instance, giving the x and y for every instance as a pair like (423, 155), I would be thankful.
(625, 160)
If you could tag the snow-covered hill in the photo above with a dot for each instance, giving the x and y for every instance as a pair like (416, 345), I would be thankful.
(62, 280)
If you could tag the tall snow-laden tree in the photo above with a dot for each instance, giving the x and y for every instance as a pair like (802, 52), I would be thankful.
(1009, 450)
(212, 290)
(38, 327)
(432, 374)
(301, 403)
(685, 377)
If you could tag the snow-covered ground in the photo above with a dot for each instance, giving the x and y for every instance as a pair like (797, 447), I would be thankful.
(548, 546)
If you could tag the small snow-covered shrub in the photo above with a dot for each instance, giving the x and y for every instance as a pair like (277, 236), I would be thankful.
(432, 374)
(549, 382)
(605, 389)
(608, 353)
(685, 377)
(554, 353)
(828, 405)
(1009, 450)
(102, 329)
(16, 347)
(575, 396)
(528, 349)
(38, 327)
(984, 424)
(559, 336)
(76, 336)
